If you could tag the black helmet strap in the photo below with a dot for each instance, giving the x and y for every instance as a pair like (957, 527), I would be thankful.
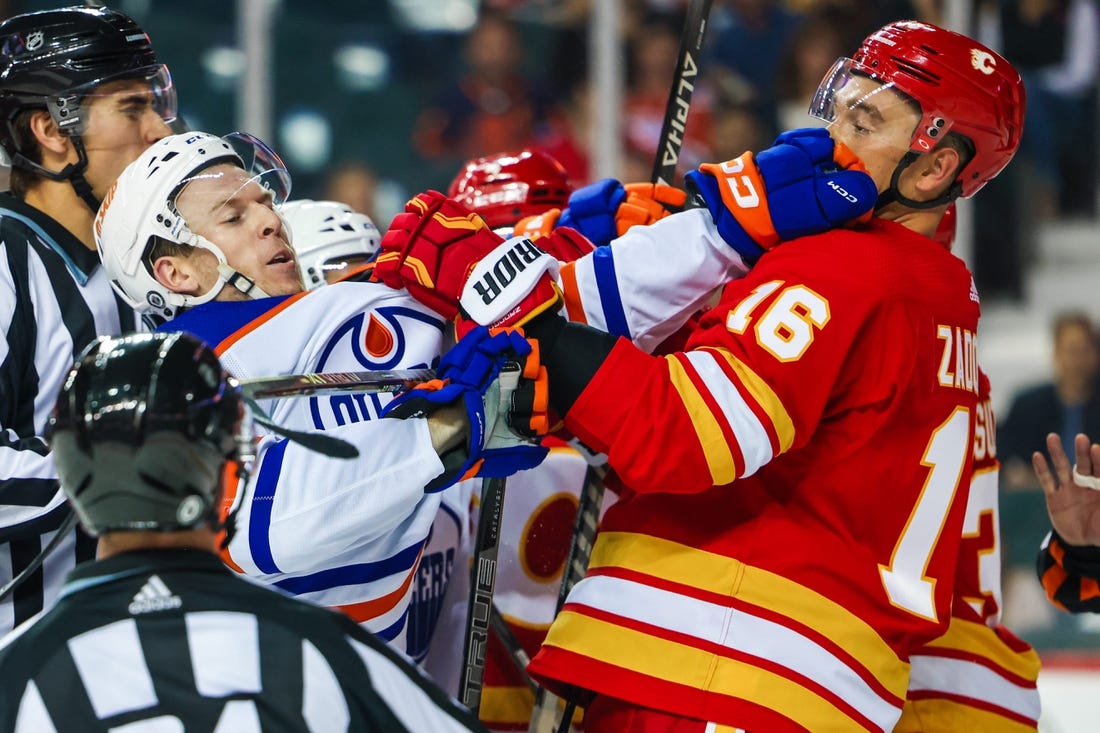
(892, 194)
(73, 173)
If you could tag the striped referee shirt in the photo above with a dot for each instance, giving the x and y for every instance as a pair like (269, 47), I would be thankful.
(171, 640)
(54, 300)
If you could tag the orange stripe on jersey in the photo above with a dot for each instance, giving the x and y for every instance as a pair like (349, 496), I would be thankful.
(571, 292)
(682, 664)
(714, 437)
(763, 395)
(255, 323)
(777, 595)
(367, 610)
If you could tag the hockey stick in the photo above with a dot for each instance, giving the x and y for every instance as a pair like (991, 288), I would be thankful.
(679, 96)
(331, 383)
(482, 585)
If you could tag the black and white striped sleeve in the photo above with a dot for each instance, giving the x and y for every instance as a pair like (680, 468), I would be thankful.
(52, 304)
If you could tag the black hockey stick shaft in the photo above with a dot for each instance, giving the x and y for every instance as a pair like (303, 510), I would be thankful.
(679, 96)
(482, 585)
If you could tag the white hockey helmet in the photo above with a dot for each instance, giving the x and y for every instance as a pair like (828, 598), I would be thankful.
(140, 208)
(327, 234)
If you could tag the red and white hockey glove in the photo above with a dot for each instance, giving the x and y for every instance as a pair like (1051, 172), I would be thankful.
(510, 286)
(431, 248)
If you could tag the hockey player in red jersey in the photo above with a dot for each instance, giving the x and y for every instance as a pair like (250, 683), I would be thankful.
(799, 472)
(978, 675)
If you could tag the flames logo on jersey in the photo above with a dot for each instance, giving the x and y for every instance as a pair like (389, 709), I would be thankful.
(372, 339)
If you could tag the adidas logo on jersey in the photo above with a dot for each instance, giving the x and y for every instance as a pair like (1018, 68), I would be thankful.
(154, 596)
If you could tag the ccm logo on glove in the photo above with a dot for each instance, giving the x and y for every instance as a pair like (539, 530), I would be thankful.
(505, 269)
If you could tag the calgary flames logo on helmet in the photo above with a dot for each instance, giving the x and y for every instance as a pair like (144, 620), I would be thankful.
(983, 61)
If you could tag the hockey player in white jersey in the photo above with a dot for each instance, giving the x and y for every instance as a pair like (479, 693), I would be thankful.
(190, 236)
(331, 240)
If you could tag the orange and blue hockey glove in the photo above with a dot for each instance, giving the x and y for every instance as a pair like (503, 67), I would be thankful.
(606, 209)
(497, 377)
(802, 185)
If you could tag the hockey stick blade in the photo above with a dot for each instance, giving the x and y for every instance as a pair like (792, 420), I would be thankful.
(679, 96)
(334, 383)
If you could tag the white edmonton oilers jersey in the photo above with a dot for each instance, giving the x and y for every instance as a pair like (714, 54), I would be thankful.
(342, 533)
(644, 288)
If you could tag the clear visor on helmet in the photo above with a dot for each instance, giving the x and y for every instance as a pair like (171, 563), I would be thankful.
(127, 93)
(233, 190)
(861, 110)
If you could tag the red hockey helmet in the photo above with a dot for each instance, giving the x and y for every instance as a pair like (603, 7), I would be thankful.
(507, 187)
(959, 84)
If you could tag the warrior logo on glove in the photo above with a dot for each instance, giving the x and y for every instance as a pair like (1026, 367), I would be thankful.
(520, 254)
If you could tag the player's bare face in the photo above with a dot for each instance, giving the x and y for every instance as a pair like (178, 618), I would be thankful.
(121, 123)
(233, 211)
(877, 123)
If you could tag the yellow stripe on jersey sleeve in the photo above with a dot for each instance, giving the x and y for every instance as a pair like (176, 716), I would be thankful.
(764, 396)
(936, 715)
(729, 577)
(509, 705)
(692, 667)
(720, 460)
(979, 639)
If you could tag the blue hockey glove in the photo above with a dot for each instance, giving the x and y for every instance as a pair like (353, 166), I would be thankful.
(496, 376)
(604, 210)
(804, 184)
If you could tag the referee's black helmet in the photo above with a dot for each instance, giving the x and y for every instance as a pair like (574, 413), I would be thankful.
(57, 59)
(141, 433)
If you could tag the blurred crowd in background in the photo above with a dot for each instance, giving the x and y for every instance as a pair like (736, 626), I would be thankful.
(377, 101)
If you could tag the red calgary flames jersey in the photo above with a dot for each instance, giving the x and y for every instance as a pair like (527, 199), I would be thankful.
(978, 675)
(800, 478)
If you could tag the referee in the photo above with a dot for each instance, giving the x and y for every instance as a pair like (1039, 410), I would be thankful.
(158, 634)
(81, 95)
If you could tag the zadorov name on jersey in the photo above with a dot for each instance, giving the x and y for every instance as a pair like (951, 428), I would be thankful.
(506, 268)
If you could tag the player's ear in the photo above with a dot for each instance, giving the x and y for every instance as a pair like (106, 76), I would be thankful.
(177, 274)
(935, 172)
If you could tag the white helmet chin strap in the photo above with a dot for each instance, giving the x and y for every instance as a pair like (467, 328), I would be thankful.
(226, 276)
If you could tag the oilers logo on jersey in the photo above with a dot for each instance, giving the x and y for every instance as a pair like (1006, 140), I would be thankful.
(375, 339)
